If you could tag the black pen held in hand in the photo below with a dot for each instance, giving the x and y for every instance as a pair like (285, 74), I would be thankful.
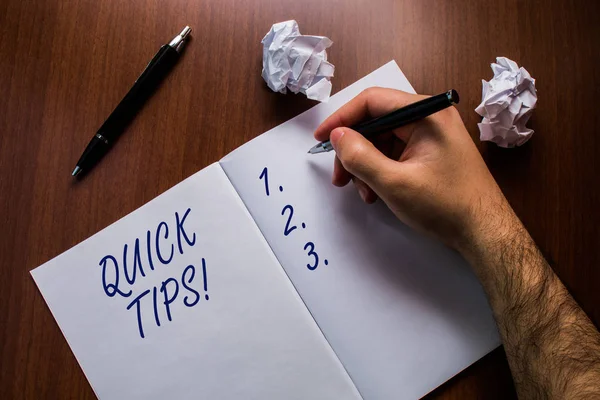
(156, 70)
(403, 116)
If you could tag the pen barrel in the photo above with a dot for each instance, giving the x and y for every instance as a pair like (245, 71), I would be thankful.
(405, 115)
(154, 73)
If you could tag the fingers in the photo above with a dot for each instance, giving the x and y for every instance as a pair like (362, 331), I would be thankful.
(365, 192)
(360, 158)
(357, 159)
(341, 177)
(370, 103)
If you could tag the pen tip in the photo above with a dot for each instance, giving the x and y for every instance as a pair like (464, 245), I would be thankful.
(316, 149)
(76, 171)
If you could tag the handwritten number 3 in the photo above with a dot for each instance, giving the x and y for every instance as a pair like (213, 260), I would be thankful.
(311, 252)
(287, 230)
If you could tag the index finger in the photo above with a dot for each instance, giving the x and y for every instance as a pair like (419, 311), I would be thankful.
(370, 103)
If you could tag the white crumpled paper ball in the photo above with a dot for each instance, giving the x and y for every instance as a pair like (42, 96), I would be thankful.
(296, 62)
(508, 100)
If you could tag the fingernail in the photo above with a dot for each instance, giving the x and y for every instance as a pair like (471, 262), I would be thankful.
(335, 136)
(363, 192)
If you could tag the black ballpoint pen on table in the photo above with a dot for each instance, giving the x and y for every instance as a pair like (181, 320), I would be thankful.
(156, 70)
(403, 116)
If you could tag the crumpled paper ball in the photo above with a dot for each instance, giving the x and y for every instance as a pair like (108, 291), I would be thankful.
(508, 100)
(296, 62)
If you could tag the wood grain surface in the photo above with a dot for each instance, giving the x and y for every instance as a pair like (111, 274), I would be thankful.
(64, 65)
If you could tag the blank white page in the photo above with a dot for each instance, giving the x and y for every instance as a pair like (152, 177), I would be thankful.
(226, 322)
(402, 312)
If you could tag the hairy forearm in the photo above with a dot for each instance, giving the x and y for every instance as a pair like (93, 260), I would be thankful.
(552, 347)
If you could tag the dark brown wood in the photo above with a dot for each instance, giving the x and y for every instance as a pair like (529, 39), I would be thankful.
(64, 65)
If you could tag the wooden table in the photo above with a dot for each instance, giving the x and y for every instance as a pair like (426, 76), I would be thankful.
(64, 65)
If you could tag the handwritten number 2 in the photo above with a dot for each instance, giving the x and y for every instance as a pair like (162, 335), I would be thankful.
(264, 174)
(311, 252)
(288, 229)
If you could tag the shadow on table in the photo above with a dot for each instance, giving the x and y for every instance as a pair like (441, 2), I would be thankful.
(286, 106)
(489, 378)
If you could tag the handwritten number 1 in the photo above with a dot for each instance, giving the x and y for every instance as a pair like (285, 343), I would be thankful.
(264, 174)
(311, 252)
(287, 230)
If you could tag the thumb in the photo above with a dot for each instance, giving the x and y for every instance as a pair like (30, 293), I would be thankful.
(360, 157)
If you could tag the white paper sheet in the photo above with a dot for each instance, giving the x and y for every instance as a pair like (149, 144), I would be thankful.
(252, 339)
(402, 312)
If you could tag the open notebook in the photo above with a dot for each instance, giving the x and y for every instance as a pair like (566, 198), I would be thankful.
(255, 278)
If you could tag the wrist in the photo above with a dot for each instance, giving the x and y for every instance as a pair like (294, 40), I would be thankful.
(505, 259)
(493, 227)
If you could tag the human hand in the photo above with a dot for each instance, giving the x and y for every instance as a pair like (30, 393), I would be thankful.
(437, 182)
(429, 173)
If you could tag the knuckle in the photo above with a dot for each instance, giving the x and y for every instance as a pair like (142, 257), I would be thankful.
(370, 93)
